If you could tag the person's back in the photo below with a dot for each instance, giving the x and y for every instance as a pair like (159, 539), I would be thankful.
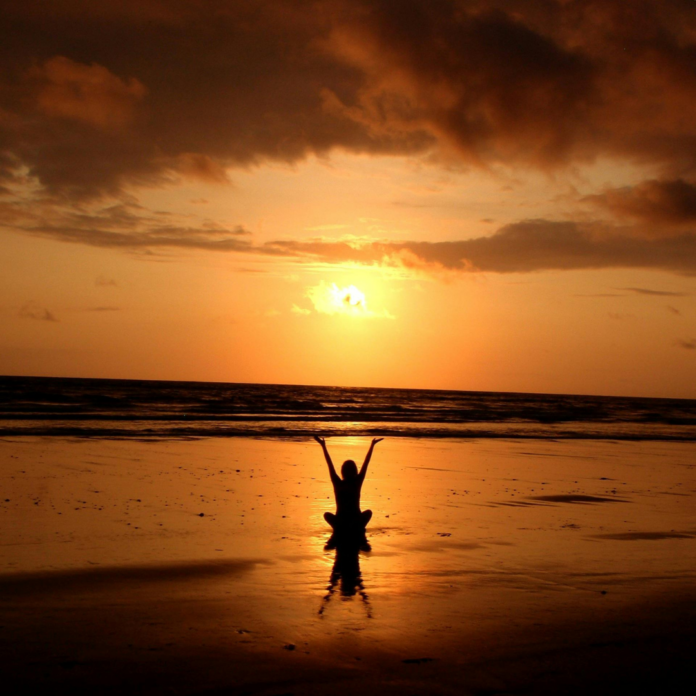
(347, 491)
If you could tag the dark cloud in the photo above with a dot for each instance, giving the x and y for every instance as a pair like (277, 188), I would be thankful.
(104, 282)
(31, 311)
(90, 94)
(673, 310)
(488, 83)
(98, 96)
(214, 239)
(103, 309)
(687, 344)
(656, 293)
(122, 226)
(197, 86)
(523, 247)
(656, 202)
(533, 245)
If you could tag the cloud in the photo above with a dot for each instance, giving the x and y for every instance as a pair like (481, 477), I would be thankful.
(673, 310)
(523, 247)
(96, 104)
(656, 293)
(103, 309)
(31, 311)
(201, 88)
(201, 167)
(131, 93)
(120, 226)
(86, 93)
(661, 203)
(300, 310)
(489, 85)
(687, 344)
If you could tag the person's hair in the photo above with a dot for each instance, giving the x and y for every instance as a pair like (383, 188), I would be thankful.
(349, 469)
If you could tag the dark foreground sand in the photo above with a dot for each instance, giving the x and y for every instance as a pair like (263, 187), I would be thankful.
(199, 567)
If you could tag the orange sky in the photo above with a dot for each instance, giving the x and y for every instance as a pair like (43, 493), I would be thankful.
(186, 188)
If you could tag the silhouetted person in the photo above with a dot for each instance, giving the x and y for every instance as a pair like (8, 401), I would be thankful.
(348, 520)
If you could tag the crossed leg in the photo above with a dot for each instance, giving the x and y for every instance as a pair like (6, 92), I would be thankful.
(333, 520)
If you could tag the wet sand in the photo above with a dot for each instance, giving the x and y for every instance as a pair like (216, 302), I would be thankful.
(199, 567)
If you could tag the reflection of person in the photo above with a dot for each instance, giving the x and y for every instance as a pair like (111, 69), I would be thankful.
(348, 516)
(346, 577)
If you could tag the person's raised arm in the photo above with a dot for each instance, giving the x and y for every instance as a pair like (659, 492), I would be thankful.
(368, 456)
(327, 456)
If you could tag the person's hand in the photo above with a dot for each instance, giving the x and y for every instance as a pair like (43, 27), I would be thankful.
(320, 440)
(375, 440)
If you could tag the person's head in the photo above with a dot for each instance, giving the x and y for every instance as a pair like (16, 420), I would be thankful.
(349, 470)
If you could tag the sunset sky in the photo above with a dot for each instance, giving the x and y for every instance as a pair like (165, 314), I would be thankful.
(484, 194)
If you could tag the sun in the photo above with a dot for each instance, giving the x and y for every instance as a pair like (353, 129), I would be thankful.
(329, 298)
(348, 301)
(349, 298)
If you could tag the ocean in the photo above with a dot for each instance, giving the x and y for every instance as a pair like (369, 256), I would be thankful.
(142, 409)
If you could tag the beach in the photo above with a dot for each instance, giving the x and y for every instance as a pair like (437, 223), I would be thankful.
(198, 566)
(457, 237)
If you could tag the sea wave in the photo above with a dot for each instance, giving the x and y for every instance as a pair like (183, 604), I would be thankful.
(143, 429)
(144, 409)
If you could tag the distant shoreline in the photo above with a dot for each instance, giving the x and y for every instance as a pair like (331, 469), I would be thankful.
(339, 386)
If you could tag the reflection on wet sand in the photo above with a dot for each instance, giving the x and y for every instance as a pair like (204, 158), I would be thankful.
(345, 574)
(564, 595)
(111, 578)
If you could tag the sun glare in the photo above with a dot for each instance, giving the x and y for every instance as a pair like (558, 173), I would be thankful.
(349, 297)
(332, 299)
